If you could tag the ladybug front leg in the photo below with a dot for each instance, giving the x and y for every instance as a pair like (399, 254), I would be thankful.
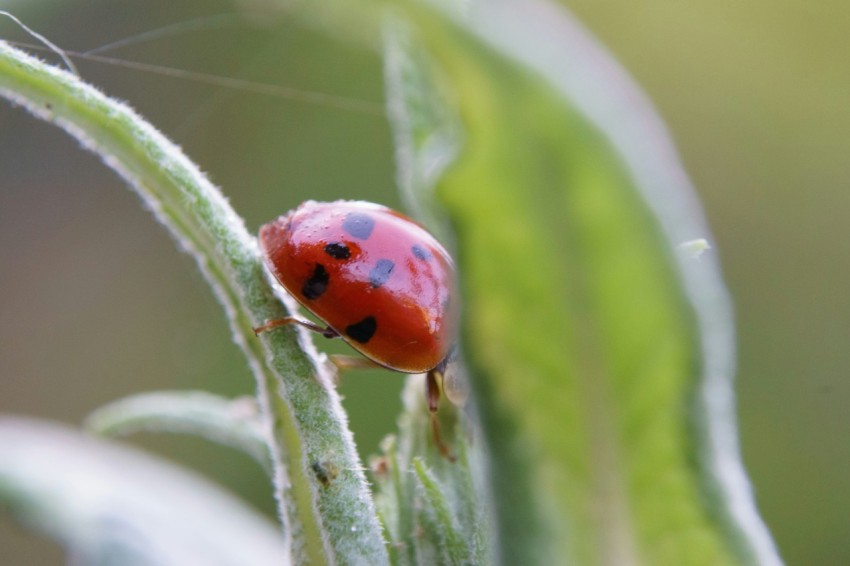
(325, 331)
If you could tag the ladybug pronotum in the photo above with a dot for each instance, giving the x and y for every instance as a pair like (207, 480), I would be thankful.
(377, 279)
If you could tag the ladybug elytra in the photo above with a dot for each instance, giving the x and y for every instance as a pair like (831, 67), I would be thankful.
(377, 279)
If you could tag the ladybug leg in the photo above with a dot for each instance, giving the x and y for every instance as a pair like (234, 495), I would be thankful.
(345, 363)
(325, 331)
(432, 395)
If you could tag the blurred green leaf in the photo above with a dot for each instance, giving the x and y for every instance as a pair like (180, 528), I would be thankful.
(114, 505)
(600, 359)
(232, 422)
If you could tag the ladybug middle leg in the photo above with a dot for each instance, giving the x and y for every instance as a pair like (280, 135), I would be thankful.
(344, 362)
(341, 362)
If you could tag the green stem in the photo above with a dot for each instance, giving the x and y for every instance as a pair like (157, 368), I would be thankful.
(294, 391)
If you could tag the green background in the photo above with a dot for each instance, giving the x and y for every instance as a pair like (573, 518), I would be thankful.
(96, 303)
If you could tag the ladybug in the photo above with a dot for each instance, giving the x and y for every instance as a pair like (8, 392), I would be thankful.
(374, 277)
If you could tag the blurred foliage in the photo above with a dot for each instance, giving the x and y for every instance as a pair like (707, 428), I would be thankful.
(755, 95)
(580, 336)
(114, 505)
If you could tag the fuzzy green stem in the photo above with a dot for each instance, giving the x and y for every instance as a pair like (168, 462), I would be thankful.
(323, 524)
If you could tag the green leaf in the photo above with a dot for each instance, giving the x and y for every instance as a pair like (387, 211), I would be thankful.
(114, 505)
(444, 527)
(235, 423)
(600, 358)
(433, 507)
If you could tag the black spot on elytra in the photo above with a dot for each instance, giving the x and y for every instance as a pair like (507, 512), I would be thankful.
(362, 331)
(381, 272)
(359, 225)
(317, 283)
(420, 252)
(338, 251)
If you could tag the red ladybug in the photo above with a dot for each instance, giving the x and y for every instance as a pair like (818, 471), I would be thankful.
(376, 278)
